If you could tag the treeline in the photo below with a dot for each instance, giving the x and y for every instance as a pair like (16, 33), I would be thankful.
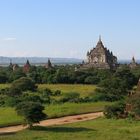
(61, 74)
(112, 86)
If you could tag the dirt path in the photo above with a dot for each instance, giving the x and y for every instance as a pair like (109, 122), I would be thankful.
(57, 121)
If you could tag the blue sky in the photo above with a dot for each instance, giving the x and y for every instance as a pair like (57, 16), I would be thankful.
(69, 28)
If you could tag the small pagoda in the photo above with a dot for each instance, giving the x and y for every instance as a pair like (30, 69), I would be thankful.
(133, 63)
(27, 67)
(48, 65)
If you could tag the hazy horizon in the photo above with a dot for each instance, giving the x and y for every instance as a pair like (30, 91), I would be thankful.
(68, 29)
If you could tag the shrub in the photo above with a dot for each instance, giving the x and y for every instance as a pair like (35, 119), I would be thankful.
(92, 80)
(71, 97)
(31, 97)
(46, 96)
(86, 99)
(3, 98)
(4, 91)
(115, 111)
(47, 92)
(11, 101)
(57, 93)
(98, 97)
(14, 91)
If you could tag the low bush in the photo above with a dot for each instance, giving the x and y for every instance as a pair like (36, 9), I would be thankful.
(3, 98)
(14, 91)
(116, 110)
(47, 92)
(57, 93)
(112, 89)
(11, 101)
(97, 96)
(71, 97)
(31, 97)
(92, 80)
(4, 91)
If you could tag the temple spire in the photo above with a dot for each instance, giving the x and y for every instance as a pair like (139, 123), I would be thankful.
(133, 59)
(99, 43)
(27, 62)
(100, 38)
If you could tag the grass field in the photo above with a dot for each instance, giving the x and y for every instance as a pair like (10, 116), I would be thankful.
(8, 115)
(99, 129)
(84, 90)
(3, 86)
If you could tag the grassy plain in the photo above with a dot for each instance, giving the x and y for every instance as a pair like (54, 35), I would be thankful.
(8, 115)
(83, 90)
(3, 86)
(99, 129)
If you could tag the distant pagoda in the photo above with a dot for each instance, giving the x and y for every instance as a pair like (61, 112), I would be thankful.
(100, 57)
(27, 67)
(48, 65)
(133, 63)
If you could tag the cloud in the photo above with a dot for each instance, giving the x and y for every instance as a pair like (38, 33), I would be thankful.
(10, 39)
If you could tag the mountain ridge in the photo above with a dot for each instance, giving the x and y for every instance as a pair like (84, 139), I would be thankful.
(54, 60)
(17, 60)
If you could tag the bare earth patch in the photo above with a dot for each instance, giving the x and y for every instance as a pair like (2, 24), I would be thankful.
(57, 121)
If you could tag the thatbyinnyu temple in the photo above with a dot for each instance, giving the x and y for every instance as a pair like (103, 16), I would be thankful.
(100, 57)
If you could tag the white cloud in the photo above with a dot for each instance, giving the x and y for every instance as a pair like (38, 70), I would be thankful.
(10, 39)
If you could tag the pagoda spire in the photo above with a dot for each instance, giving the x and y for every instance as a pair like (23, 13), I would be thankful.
(100, 38)
(27, 62)
(133, 59)
(99, 43)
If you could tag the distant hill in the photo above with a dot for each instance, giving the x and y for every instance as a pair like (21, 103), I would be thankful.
(127, 61)
(43, 60)
(38, 60)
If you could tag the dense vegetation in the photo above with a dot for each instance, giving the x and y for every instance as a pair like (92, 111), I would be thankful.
(66, 74)
(112, 85)
(57, 74)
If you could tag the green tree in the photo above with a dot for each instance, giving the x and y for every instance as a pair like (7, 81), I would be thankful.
(91, 80)
(31, 111)
(112, 89)
(3, 77)
(16, 74)
(127, 77)
(24, 84)
(46, 96)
